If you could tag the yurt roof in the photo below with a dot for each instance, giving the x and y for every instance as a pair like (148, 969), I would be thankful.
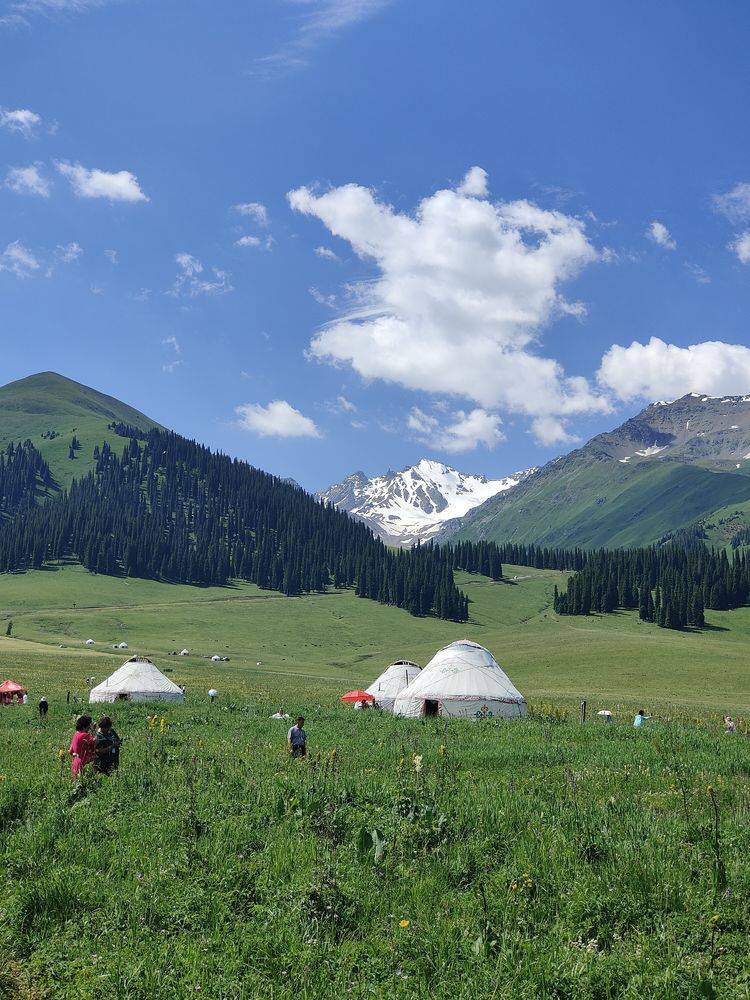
(463, 670)
(395, 678)
(138, 674)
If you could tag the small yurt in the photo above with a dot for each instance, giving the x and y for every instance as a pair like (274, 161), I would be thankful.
(89, 642)
(392, 682)
(137, 680)
(462, 681)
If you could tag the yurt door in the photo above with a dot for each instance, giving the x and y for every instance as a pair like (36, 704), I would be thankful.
(432, 707)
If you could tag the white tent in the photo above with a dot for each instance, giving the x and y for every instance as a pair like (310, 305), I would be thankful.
(136, 680)
(216, 658)
(184, 652)
(462, 681)
(122, 645)
(89, 642)
(392, 682)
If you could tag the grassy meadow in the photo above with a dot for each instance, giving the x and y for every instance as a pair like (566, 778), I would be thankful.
(400, 859)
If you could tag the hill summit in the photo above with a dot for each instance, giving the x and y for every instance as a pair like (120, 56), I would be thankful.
(52, 410)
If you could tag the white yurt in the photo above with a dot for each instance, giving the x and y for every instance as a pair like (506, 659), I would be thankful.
(137, 680)
(184, 652)
(122, 645)
(89, 642)
(392, 682)
(462, 681)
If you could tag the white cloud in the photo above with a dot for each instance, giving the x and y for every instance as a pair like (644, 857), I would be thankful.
(95, 183)
(734, 204)
(278, 419)
(340, 405)
(69, 252)
(191, 279)
(28, 180)
(658, 370)
(323, 300)
(112, 256)
(464, 432)
(463, 290)
(18, 260)
(550, 430)
(254, 210)
(326, 253)
(658, 233)
(254, 241)
(96, 290)
(740, 245)
(698, 273)
(174, 348)
(21, 120)
(474, 184)
(319, 21)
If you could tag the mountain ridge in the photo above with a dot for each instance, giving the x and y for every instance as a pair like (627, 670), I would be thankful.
(671, 465)
(415, 503)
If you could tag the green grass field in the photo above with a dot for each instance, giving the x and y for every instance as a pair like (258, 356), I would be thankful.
(342, 641)
(402, 858)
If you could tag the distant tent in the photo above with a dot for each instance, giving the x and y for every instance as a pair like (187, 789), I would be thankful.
(462, 681)
(216, 659)
(392, 682)
(122, 645)
(184, 652)
(137, 680)
(89, 642)
(10, 690)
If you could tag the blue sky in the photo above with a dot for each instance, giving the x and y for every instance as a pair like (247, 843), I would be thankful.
(326, 235)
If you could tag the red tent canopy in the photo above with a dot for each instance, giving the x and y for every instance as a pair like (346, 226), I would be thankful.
(10, 690)
(356, 696)
(10, 687)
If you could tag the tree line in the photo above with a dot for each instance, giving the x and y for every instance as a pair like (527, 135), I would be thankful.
(169, 509)
(670, 585)
(23, 476)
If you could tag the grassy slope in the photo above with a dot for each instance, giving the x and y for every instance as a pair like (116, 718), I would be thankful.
(51, 402)
(608, 504)
(336, 641)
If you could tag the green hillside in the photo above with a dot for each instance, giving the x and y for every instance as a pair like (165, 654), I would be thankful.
(336, 641)
(597, 503)
(50, 409)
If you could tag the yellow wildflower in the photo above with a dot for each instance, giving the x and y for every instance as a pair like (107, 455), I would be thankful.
(162, 725)
(417, 762)
(441, 751)
(403, 923)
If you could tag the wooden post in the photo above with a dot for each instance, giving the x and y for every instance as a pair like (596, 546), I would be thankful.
(582, 712)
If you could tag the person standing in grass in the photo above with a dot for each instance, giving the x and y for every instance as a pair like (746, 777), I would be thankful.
(641, 719)
(108, 745)
(82, 746)
(297, 738)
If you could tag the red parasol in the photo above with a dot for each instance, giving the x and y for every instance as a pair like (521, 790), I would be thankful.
(357, 696)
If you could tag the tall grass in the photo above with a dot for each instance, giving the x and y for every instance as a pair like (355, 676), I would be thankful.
(400, 859)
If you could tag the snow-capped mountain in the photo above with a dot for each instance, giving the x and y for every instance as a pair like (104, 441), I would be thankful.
(416, 503)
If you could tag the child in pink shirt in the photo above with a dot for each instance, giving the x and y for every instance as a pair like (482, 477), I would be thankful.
(82, 746)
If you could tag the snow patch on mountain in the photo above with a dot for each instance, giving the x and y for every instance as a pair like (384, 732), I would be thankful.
(414, 504)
